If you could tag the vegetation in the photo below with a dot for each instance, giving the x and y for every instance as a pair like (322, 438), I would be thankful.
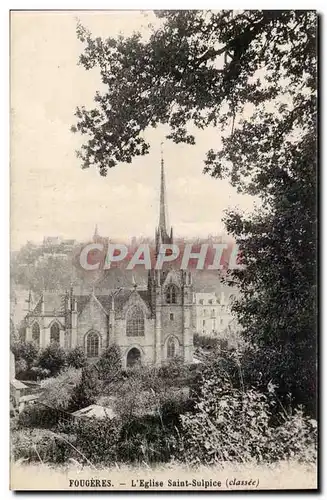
(86, 391)
(233, 422)
(76, 357)
(57, 392)
(221, 420)
(52, 358)
(253, 75)
(25, 354)
(110, 364)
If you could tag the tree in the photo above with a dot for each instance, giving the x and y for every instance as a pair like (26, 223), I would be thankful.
(52, 358)
(57, 391)
(110, 365)
(76, 357)
(25, 351)
(87, 390)
(229, 423)
(252, 74)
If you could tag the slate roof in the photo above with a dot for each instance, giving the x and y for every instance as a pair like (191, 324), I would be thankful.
(54, 302)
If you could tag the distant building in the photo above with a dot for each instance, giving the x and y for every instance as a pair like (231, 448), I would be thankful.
(150, 326)
(212, 312)
(47, 257)
(51, 241)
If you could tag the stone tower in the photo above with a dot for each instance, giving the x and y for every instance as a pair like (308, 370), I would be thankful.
(171, 293)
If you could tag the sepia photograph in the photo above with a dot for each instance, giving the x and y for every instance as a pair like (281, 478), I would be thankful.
(163, 250)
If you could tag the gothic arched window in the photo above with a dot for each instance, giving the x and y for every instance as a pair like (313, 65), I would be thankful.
(36, 334)
(92, 345)
(135, 322)
(171, 294)
(55, 334)
(171, 348)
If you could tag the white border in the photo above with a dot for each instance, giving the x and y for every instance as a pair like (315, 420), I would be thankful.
(4, 170)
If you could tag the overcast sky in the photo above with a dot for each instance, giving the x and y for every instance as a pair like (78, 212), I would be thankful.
(51, 194)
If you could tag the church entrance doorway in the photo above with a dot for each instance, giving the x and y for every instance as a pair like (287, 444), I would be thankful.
(133, 357)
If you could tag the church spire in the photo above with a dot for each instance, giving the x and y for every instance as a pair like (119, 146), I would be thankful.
(162, 235)
(162, 215)
(96, 233)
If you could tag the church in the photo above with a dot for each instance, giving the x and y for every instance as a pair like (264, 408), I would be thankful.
(150, 326)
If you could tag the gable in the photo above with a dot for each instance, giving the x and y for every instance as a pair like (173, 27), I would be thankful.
(92, 309)
(136, 299)
(173, 277)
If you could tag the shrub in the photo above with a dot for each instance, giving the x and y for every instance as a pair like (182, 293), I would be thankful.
(26, 351)
(86, 391)
(37, 415)
(36, 444)
(173, 370)
(52, 358)
(276, 364)
(38, 373)
(109, 365)
(232, 424)
(58, 391)
(76, 358)
(97, 439)
(205, 341)
(20, 366)
(145, 439)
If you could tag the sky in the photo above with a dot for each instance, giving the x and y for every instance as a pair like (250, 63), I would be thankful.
(50, 194)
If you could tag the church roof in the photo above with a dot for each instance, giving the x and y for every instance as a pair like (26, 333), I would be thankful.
(54, 302)
(81, 301)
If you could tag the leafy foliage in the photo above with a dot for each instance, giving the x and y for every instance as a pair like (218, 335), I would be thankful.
(197, 66)
(26, 351)
(253, 74)
(110, 364)
(52, 358)
(57, 392)
(97, 440)
(233, 424)
(86, 391)
(76, 358)
(36, 444)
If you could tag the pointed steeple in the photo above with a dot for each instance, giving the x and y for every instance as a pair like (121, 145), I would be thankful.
(96, 233)
(162, 214)
(163, 235)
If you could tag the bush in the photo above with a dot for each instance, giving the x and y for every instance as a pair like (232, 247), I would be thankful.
(232, 424)
(58, 391)
(97, 440)
(26, 351)
(173, 370)
(37, 416)
(87, 390)
(265, 364)
(52, 358)
(38, 373)
(35, 445)
(20, 366)
(145, 439)
(205, 341)
(109, 365)
(76, 358)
